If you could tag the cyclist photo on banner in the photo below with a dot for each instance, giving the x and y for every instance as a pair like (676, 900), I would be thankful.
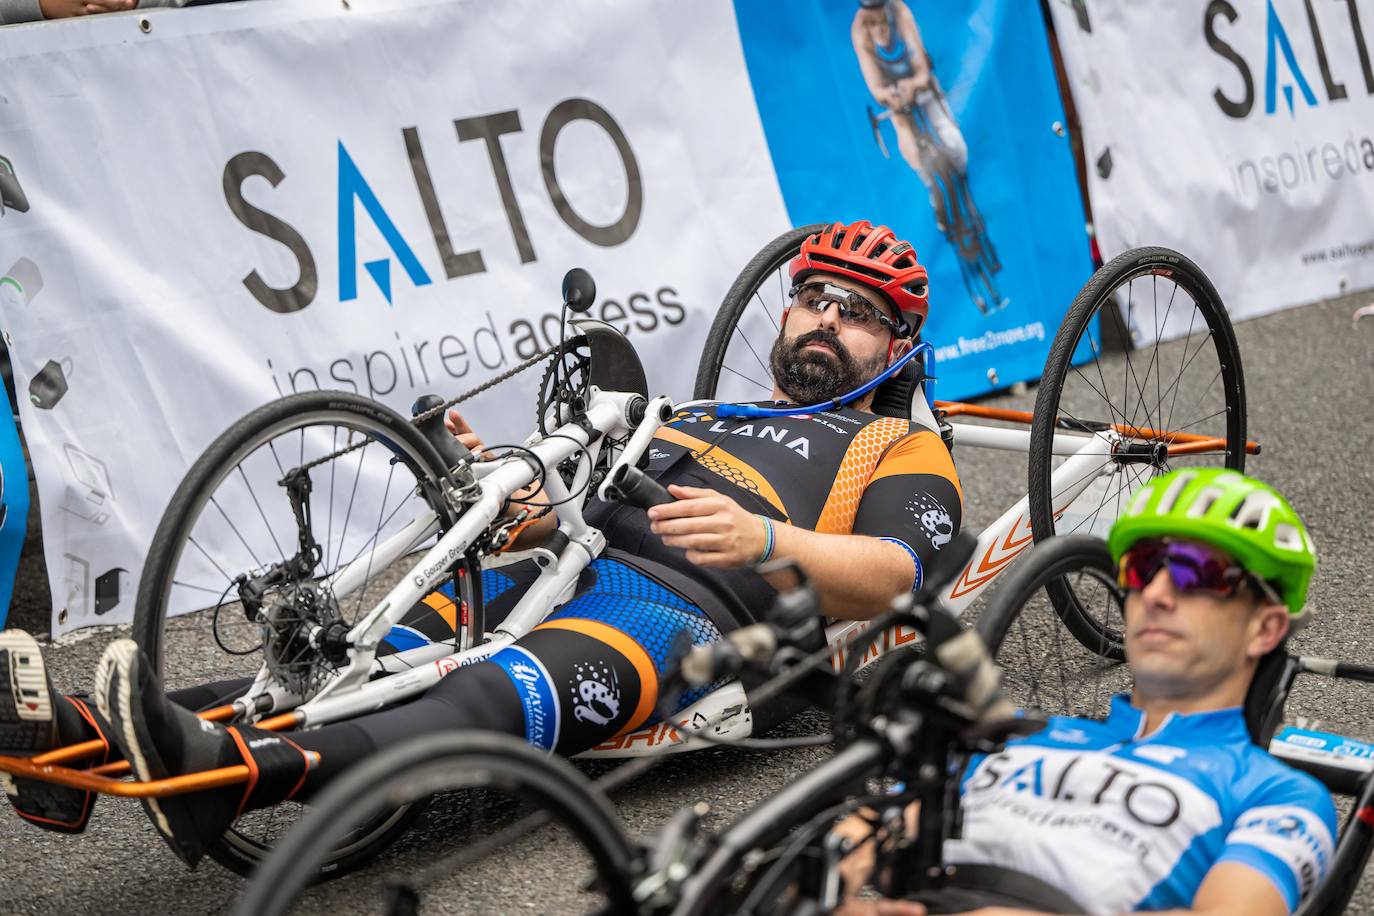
(1171, 803)
(897, 71)
(944, 121)
(813, 475)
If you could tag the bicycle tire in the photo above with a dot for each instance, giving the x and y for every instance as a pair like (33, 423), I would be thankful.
(1098, 298)
(770, 259)
(1039, 657)
(441, 763)
(237, 850)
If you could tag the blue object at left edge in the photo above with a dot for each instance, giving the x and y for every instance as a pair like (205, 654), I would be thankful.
(14, 517)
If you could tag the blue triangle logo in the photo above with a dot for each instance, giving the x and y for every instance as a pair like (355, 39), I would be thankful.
(381, 275)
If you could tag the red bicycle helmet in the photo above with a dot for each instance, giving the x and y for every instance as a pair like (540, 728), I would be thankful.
(873, 256)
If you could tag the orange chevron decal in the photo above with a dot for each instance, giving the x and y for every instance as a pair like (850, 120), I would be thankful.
(996, 557)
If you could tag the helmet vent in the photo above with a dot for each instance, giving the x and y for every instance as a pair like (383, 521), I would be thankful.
(819, 258)
(1253, 511)
(1288, 538)
(1170, 497)
(1204, 502)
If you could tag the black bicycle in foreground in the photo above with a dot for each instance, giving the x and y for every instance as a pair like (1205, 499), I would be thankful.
(901, 736)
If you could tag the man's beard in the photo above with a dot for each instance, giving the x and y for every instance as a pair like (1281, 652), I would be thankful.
(813, 376)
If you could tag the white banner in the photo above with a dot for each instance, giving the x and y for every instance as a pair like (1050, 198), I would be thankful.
(226, 204)
(1239, 132)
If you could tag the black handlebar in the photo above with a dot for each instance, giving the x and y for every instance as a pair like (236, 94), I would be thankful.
(633, 487)
(450, 449)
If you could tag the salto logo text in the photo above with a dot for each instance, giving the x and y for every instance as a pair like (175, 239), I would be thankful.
(354, 190)
(1285, 70)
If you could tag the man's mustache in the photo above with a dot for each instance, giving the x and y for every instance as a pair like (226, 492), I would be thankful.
(829, 338)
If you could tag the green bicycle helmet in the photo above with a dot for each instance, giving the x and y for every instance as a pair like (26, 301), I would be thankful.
(1248, 519)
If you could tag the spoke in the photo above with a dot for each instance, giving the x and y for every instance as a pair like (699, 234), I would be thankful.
(256, 562)
(766, 310)
(1111, 408)
(329, 524)
(1175, 386)
(348, 513)
(196, 544)
(1097, 361)
(1130, 368)
(1092, 517)
(1197, 403)
(372, 554)
(272, 447)
(265, 523)
(757, 358)
(1182, 362)
(768, 388)
(1184, 429)
(1063, 489)
(217, 592)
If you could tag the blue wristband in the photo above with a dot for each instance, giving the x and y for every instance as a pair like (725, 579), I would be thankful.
(768, 544)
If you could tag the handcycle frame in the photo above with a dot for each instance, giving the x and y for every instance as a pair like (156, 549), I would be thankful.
(725, 712)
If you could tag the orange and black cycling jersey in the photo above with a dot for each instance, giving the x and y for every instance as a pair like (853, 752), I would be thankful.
(836, 472)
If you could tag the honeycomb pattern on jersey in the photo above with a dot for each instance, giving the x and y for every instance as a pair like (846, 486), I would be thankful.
(735, 475)
(860, 461)
(636, 605)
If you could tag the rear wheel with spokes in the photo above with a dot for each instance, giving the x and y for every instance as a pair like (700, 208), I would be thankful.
(1145, 363)
(291, 526)
(1046, 669)
(734, 364)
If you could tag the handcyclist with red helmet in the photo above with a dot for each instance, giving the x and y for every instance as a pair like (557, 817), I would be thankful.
(837, 488)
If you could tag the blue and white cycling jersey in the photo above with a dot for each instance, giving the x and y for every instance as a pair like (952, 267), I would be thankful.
(1124, 822)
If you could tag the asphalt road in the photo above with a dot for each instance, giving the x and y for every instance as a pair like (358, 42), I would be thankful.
(1310, 381)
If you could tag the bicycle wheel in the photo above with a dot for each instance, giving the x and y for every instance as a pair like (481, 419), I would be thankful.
(734, 364)
(1146, 362)
(231, 527)
(1043, 668)
(494, 778)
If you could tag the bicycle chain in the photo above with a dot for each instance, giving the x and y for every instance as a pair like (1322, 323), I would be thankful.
(433, 411)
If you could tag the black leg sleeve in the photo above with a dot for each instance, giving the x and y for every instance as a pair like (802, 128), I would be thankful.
(478, 696)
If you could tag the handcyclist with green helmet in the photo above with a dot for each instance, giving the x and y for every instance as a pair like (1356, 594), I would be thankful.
(1167, 804)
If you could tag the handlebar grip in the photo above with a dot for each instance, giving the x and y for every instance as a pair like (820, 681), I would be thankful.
(633, 487)
(450, 449)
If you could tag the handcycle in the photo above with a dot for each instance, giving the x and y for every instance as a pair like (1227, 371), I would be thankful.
(913, 721)
(296, 630)
(956, 213)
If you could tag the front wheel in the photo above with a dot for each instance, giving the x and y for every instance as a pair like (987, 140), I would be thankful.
(246, 564)
(1146, 370)
(497, 783)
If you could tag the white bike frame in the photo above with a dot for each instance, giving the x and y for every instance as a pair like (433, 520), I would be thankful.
(725, 712)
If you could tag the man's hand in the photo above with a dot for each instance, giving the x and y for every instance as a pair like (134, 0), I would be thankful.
(892, 97)
(713, 528)
(461, 431)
